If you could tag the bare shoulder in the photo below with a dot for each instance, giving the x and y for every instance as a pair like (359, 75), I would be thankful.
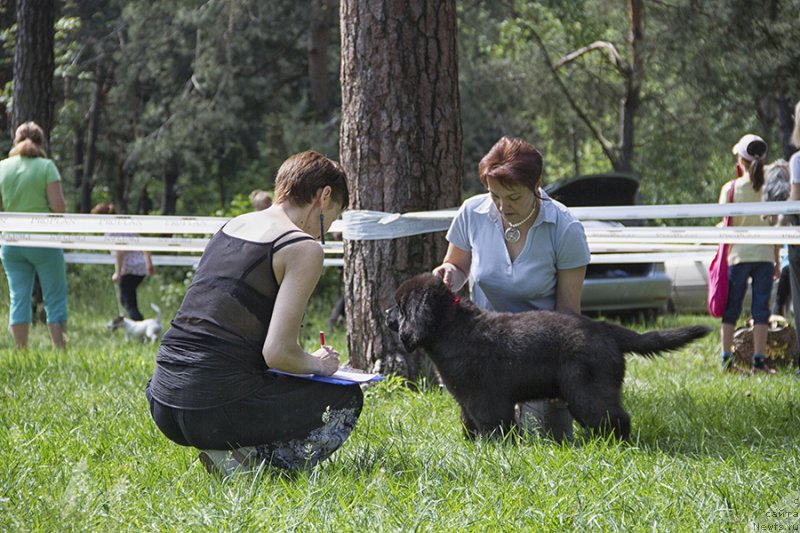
(258, 226)
(301, 259)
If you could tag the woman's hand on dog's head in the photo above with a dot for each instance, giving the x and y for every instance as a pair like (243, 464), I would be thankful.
(328, 361)
(452, 276)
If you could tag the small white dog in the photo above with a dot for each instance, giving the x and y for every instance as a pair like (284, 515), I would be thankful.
(139, 329)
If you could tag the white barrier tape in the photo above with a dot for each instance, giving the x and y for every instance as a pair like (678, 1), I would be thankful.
(637, 212)
(621, 239)
(161, 260)
(192, 261)
(606, 259)
(100, 242)
(129, 243)
(364, 225)
(361, 224)
(376, 225)
(630, 212)
(626, 247)
(84, 258)
(696, 235)
(82, 223)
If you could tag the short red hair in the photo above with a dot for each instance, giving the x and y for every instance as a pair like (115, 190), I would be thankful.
(512, 161)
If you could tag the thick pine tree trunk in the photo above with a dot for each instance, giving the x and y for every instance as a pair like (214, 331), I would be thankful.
(322, 13)
(34, 63)
(401, 146)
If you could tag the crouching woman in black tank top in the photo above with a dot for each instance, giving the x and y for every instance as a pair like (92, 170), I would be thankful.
(240, 316)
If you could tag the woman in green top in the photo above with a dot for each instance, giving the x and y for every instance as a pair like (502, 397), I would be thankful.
(30, 183)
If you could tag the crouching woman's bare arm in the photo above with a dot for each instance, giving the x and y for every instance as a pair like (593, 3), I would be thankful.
(297, 268)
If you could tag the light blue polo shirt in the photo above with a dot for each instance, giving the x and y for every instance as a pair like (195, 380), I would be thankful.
(555, 242)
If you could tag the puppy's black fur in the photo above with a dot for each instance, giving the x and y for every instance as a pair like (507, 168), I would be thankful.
(490, 361)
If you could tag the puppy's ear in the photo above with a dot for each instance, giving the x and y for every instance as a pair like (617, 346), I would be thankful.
(418, 319)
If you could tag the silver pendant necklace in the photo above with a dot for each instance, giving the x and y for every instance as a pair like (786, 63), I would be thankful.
(511, 234)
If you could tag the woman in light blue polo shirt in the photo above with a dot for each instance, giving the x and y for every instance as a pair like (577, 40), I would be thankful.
(520, 249)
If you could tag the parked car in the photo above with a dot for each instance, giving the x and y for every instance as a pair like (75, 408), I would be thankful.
(690, 286)
(618, 286)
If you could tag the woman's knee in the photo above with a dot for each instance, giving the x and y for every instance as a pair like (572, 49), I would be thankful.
(54, 293)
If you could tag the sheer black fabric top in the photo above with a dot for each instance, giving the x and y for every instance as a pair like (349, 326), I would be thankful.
(211, 355)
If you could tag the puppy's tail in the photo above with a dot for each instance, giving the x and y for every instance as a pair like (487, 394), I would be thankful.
(157, 310)
(654, 342)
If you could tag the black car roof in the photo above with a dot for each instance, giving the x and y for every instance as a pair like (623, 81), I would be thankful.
(610, 188)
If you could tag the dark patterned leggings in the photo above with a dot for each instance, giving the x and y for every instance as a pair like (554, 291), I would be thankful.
(314, 447)
(287, 432)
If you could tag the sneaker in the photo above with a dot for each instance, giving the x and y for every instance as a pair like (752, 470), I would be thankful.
(227, 462)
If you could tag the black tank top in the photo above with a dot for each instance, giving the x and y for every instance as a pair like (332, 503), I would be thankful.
(211, 355)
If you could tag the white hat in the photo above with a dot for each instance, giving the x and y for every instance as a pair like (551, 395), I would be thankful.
(750, 147)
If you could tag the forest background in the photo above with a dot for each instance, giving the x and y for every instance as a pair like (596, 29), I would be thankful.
(184, 106)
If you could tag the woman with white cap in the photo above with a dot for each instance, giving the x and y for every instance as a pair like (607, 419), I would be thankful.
(755, 262)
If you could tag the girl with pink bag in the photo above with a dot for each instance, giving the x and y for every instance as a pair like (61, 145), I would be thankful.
(758, 263)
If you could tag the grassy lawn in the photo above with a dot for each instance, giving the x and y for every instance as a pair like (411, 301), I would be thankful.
(79, 452)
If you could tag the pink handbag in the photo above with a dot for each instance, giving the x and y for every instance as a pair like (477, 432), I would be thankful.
(718, 273)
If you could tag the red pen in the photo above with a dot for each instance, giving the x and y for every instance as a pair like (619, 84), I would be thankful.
(322, 339)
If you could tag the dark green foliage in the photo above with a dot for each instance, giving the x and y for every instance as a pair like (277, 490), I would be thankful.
(216, 94)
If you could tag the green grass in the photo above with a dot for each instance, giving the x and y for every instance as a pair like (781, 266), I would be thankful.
(79, 452)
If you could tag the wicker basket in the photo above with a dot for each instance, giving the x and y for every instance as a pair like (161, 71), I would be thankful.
(781, 343)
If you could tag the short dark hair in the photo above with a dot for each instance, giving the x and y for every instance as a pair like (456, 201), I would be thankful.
(512, 161)
(303, 174)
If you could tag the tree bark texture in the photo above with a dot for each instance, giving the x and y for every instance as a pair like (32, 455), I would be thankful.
(401, 146)
(169, 194)
(322, 13)
(95, 109)
(633, 83)
(34, 64)
(785, 126)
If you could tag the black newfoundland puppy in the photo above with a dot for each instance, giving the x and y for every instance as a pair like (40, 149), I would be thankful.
(490, 361)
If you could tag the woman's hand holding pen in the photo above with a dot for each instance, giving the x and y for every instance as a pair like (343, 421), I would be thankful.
(328, 358)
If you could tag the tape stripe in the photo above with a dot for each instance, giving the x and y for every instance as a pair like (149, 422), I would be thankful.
(363, 224)
(608, 240)
(109, 242)
(697, 235)
(160, 260)
(636, 212)
(82, 223)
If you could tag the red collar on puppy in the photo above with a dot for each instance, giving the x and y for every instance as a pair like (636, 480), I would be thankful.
(456, 299)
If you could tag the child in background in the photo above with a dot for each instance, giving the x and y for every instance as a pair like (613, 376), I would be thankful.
(755, 262)
(130, 268)
(260, 199)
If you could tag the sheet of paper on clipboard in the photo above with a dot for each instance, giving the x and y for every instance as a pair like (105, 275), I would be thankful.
(343, 376)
